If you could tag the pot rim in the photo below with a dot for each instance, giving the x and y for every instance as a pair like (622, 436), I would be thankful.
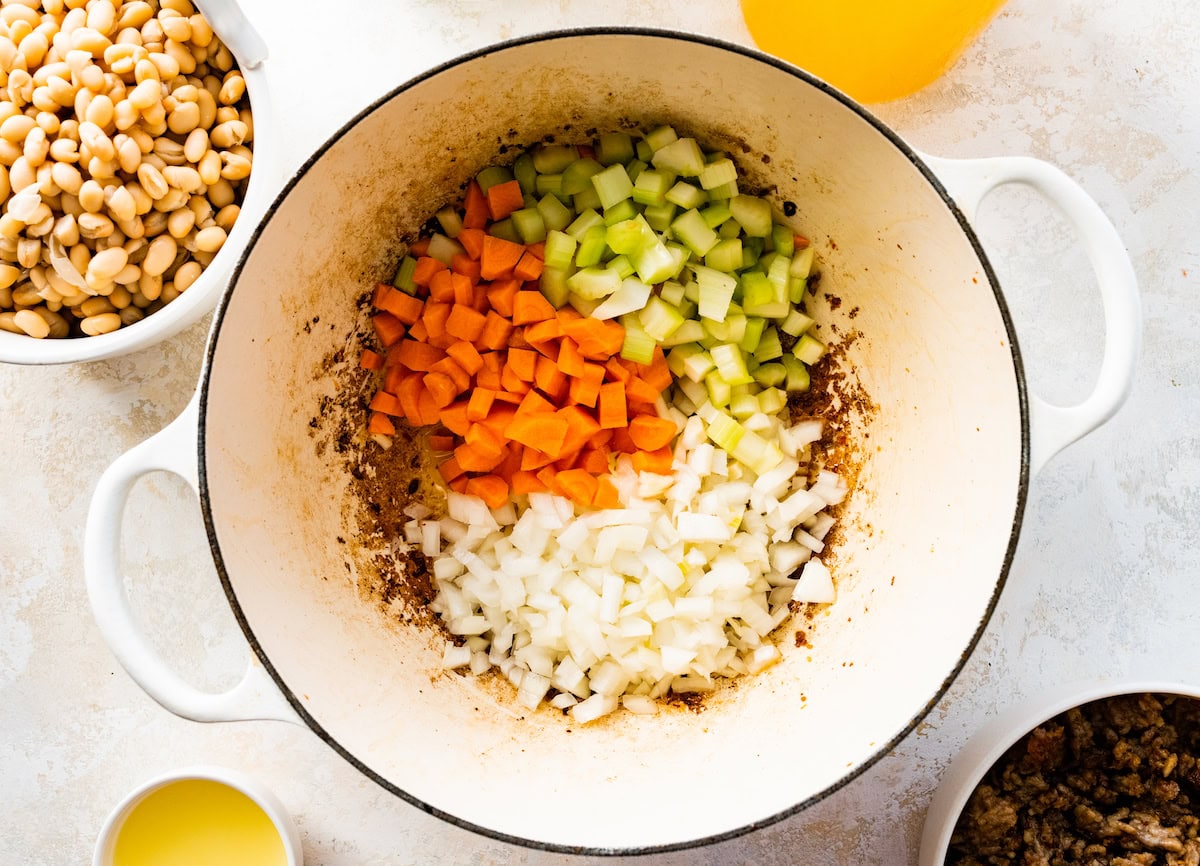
(653, 33)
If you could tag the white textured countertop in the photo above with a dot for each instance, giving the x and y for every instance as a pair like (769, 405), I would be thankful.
(1104, 579)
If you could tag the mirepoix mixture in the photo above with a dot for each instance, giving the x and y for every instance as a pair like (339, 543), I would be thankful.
(1112, 783)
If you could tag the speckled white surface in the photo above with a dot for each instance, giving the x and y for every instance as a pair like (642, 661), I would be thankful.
(1102, 585)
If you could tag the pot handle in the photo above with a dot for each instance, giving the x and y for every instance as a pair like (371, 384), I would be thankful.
(1053, 428)
(170, 450)
(228, 19)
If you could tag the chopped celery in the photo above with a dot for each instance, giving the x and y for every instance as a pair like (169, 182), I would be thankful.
(731, 364)
(659, 215)
(796, 323)
(659, 319)
(671, 292)
(771, 399)
(660, 137)
(777, 273)
(656, 263)
(612, 185)
(549, 184)
(651, 187)
(751, 250)
(577, 176)
(753, 213)
(556, 215)
(730, 229)
(630, 236)
(559, 249)
(724, 192)
(797, 374)
(621, 265)
(694, 391)
(677, 357)
(802, 263)
(623, 210)
(553, 158)
(644, 150)
(769, 346)
(530, 226)
(591, 247)
(553, 285)
(760, 296)
(753, 334)
(614, 147)
(796, 290)
(718, 172)
(682, 254)
(735, 326)
(697, 366)
(716, 214)
(783, 240)
(638, 346)
(686, 195)
(718, 330)
(525, 173)
(404, 273)
(631, 295)
(689, 332)
(715, 292)
(808, 350)
(725, 432)
(725, 256)
(719, 391)
(583, 306)
(593, 283)
(634, 169)
(770, 375)
(743, 406)
(767, 259)
(443, 248)
(589, 199)
(491, 176)
(757, 453)
(450, 221)
(682, 156)
(690, 228)
(587, 219)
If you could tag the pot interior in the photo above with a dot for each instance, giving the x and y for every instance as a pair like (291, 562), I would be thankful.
(936, 445)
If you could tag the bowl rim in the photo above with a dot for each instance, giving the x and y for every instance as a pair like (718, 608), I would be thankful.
(988, 744)
(801, 75)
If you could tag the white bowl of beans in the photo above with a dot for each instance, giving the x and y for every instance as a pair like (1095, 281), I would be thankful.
(128, 136)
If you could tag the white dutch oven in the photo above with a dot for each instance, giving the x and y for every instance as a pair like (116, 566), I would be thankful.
(930, 529)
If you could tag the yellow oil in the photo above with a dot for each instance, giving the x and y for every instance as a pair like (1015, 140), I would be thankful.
(874, 50)
(197, 822)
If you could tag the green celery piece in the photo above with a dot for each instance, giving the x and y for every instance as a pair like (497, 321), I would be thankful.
(808, 349)
(731, 364)
(777, 273)
(743, 406)
(753, 213)
(644, 150)
(614, 147)
(745, 389)
(753, 333)
(559, 250)
(690, 228)
(760, 296)
(802, 263)
(594, 283)
(796, 323)
(625, 209)
(766, 260)
(718, 330)
(797, 374)
(631, 295)
(736, 326)
(686, 195)
(660, 137)
(586, 200)
(583, 306)
(577, 176)
(450, 221)
(698, 365)
(525, 173)
(659, 216)
(549, 184)
(726, 255)
(659, 319)
(731, 229)
(635, 168)
(716, 214)
(770, 375)
(677, 357)
(715, 292)
(530, 200)
(556, 215)
(655, 263)
(796, 290)
(404, 273)
(553, 285)
(612, 185)
(725, 432)
(591, 248)
(638, 346)
(682, 156)
(783, 240)
(621, 265)
(719, 391)
(492, 175)
(772, 400)
(631, 236)
(651, 187)
(757, 453)
(752, 249)
(769, 346)
(504, 229)
(530, 226)
(718, 172)
(553, 158)
(690, 331)
(724, 192)
(671, 292)
(587, 219)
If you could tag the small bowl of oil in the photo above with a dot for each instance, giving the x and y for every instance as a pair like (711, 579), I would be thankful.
(197, 817)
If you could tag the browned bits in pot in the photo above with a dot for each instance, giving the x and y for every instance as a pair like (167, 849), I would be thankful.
(125, 144)
(1116, 781)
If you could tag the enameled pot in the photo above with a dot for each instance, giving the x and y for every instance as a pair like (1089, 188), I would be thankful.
(928, 532)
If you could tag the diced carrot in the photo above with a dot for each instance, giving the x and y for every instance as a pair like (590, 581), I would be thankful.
(428, 410)
(441, 287)
(419, 247)
(370, 360)
(649, 432)
(568, 314)
(579, 484)
(514, 398)
(621, 441)
(543, 432)
(499, 257)
(425, 269)
(449, 469)
(658, 461)
(459, 485)
(380, 292)
(569, 359)
(501, 294)
(388, 328)
(800, 241)
(511, 464)
(516, 340)
(393, 375)
(597, 339)
(460, 377)
(479, 297)
(601, 440)
(404, 307)
(581, 427)
(464, 289)
(462, 263)
(538, 250)
(380, 423)
(511, 382)
(442, 388)
(504, 198)
(441, 442)
(408, 392)
(639, 391)
(489, 374)
(484, 440)
(544, 332)
(611, 409)
(500, 417)
(472, 459)
(585, 389)
(523, 363)
(476, 209)
(472, 241)
(550, 380)
(527, 482)
(434, 318)
(418, 356)
(385, 402)
(419, 332)
(465, 323)
(480, 403)
(455, 418)
(467, 357)
(531, 307)
(529, 267)
(657, 374)
(617, 372)
(535, 403)
(606, 494)
(547, 477)
(496, 332)
(595, 462)
(533, 459)
(492, 489)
